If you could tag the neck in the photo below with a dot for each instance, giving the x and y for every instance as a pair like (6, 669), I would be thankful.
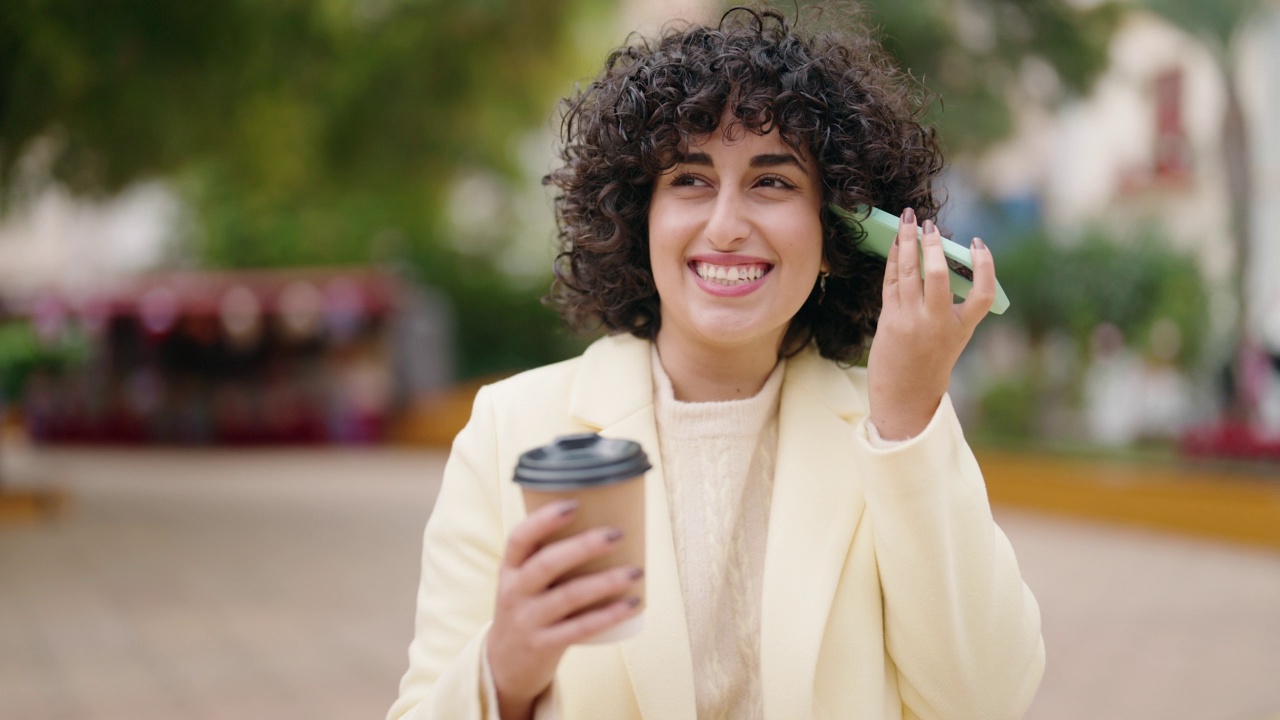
(714, 374)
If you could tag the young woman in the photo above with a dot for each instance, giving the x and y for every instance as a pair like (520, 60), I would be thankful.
(819, 540)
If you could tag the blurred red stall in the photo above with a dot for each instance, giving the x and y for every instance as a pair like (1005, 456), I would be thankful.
(243, 357)
(1230, 440)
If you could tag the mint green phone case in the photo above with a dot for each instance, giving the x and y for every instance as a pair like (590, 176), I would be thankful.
(882, 228)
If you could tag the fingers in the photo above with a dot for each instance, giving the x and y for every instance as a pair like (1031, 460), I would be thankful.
(571, 597)
(578, 628)
(908, 258)
(554, 560)
(528, 536)
(889, 293)
(529, 598)
(937, 277)
(534, 622)
(933, 282)
(978, 303)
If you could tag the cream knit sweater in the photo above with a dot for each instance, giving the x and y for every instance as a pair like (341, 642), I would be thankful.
(718, 462)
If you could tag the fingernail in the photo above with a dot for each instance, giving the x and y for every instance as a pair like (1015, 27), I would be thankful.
(908, 215)
(632, 601)
(928, 226)
(613, 534)
(636, 573)
(567, 507)
(977, 242)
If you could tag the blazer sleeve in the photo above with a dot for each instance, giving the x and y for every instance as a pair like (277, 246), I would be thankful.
(462, 548)
(960, 624)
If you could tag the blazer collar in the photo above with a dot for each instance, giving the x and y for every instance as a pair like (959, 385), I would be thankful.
(614, 381)
(822, 383)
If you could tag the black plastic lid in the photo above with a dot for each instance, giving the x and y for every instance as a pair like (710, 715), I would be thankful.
(577, 461)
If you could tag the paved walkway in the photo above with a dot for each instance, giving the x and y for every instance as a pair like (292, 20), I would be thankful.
(279, 584)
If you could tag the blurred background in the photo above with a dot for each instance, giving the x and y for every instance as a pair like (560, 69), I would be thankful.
(255, 259)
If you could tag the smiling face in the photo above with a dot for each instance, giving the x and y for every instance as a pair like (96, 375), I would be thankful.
(735, 242)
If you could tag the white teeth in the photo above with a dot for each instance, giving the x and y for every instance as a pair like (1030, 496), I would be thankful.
(730, 275)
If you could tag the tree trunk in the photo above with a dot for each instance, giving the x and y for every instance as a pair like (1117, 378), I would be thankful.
(4, 422)
(1235, 157)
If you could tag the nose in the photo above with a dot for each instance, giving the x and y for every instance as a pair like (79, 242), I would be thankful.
(728, 224)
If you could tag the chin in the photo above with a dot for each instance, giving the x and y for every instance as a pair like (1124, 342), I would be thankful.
(729, 336)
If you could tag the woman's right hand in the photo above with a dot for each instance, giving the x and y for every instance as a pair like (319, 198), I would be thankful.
(535, 622)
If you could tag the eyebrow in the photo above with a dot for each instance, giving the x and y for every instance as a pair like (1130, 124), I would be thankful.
(758, 161)
(775, 159)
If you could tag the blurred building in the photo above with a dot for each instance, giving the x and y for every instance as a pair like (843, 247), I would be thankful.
(1145, 147)
(1144, 153)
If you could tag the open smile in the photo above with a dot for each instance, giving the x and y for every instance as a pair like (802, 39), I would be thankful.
(730, 274)
(729, 280)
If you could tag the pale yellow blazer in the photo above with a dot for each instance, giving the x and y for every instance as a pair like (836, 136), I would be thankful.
(889, 592)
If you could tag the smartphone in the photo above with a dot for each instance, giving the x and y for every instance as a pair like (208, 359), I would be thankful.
(882, 228)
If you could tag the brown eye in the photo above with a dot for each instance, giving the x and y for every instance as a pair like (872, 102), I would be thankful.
(774, 181)
(685, 181)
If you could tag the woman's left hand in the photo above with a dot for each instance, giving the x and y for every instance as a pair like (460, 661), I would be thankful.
(921, 332)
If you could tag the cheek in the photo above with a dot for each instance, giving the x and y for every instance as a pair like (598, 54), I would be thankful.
(664, 256)
(667, 236)
(666, 220)
(805, 245)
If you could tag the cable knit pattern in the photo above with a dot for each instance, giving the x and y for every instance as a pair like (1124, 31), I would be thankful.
(718, 460)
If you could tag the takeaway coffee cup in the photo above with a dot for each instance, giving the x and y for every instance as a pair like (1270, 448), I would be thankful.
(606, 477)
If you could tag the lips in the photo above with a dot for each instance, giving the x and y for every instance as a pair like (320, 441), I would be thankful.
(729, 280)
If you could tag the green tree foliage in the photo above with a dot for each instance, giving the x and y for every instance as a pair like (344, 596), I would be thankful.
(125, 89)
(301, 131)
(1078, 287)
(1098, 280)
(279, 95)
(1216, 22)
(23, 353)
(1075, 288)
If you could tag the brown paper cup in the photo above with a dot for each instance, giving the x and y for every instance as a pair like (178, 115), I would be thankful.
(616, 502)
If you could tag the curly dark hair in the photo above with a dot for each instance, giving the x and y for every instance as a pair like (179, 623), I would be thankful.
(833, 96)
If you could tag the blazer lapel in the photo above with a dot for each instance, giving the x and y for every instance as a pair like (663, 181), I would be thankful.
(815, 510)
(613, 393)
